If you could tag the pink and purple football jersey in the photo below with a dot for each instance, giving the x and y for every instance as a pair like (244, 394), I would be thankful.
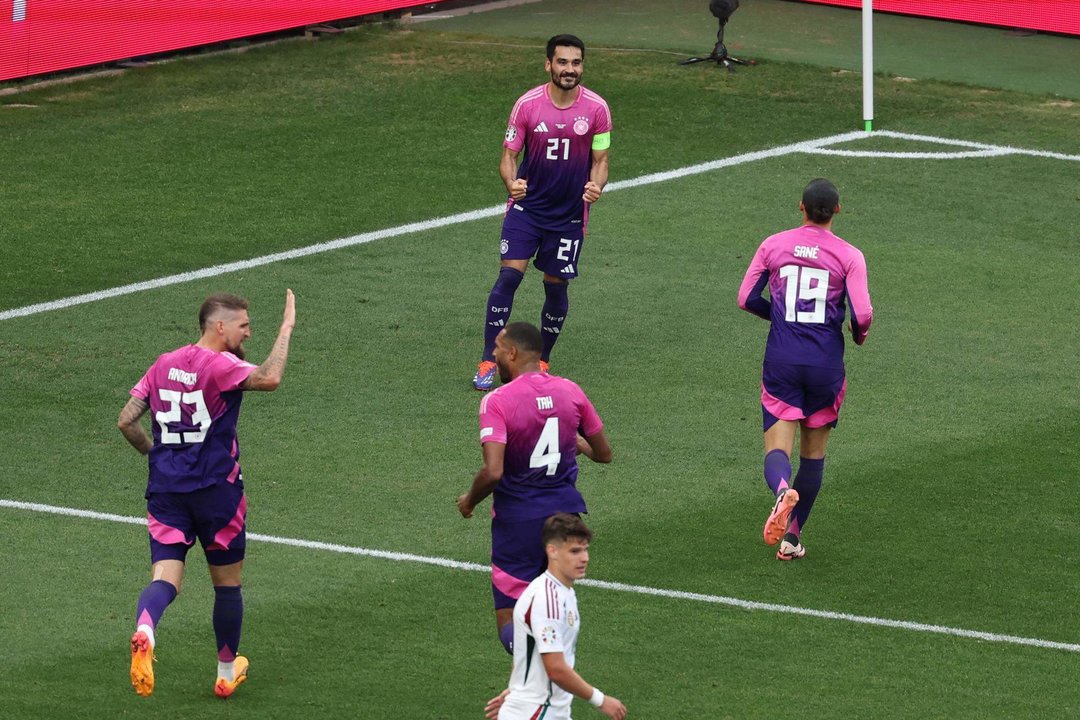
(538, 417)
(558, 146)
(810, 273)
(194, 397)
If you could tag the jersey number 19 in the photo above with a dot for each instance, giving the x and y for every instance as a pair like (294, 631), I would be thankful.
(805, 283)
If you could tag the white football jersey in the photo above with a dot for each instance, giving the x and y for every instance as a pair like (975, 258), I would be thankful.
(546, 620)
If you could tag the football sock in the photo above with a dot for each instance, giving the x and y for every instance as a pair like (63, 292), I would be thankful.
(506, 636)
(154, 599)
(228, 617)
(777, 470)
(553, 315)
(225, 670)
(807, 482)
(499, 303)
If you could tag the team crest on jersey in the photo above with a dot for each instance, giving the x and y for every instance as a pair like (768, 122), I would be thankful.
(504, 247)
(571, 618)
(581, 125)
(547, 635)
(511, 133)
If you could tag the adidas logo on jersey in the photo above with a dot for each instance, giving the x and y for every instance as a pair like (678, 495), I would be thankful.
(568, 269)
(542, 127)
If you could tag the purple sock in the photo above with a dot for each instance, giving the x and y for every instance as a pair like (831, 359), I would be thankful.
(499, 303)
(506, 636)
(777, 471)
(154, 599)
(553, 315)
(228, 617)
(807, 482)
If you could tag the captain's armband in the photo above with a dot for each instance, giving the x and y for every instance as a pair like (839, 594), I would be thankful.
(601, 141)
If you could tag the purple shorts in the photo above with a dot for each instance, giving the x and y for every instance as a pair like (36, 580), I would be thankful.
(810, 395)
(216, 515)
(556, 250)
(517, 558)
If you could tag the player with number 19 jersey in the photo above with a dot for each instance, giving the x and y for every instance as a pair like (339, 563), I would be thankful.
(194, 397)
(810, 273)
(538, 417)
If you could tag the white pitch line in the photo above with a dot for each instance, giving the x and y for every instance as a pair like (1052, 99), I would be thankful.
(807, 146)
(999, 149)
(602, 584)
(958, 155)
(404, 230)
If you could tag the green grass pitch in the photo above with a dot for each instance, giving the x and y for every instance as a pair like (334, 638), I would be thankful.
(949, 491)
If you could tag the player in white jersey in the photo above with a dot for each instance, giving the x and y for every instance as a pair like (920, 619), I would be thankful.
(543, 682)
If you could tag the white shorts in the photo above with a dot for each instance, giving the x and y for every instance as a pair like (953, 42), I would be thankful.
(517, 710)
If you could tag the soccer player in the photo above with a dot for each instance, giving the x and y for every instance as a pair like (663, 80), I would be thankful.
(532, 429)
(810, 273)
(565, 131)
(546, 627)
(195, 487)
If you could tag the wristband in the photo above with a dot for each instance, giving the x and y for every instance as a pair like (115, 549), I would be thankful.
(597, 698)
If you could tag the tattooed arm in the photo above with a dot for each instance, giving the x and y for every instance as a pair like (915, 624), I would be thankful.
(268, 375)
(130, 426)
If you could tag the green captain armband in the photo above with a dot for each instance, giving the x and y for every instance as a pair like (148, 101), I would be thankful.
(601, 141)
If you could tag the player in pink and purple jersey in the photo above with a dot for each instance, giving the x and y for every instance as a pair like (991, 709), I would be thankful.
(195, 488)
(532, 429)
(564, 130)
(810, 274)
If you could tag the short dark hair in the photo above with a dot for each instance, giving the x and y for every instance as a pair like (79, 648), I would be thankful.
(219, 301)
(560, 527)
(820, 199)
(525, 337)
(565, 41)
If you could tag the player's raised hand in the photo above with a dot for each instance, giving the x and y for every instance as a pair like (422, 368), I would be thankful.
(491, 710)
(613, 708)
(518, 188)
(592, 192)
(290, 310)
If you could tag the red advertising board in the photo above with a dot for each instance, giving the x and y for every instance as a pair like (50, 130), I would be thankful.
(41, 36)
(1059, 16)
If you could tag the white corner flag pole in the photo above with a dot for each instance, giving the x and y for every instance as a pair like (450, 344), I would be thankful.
(868, 64)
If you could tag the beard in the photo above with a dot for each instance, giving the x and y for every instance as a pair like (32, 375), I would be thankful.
(504, 373)
(239, 350)
(566, 81)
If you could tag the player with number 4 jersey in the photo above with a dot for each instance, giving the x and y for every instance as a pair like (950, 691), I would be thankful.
(532, 429)
(810, 274)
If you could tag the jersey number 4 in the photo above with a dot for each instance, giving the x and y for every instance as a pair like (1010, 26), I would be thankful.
(200, 417)
(546, 453)
(806, 284)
